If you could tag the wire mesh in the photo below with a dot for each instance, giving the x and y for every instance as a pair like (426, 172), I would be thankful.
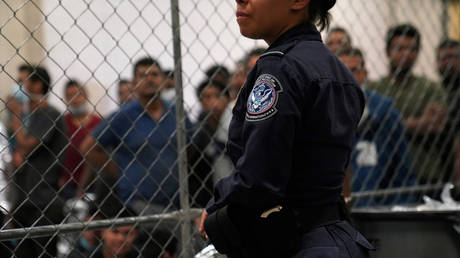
(134, 123)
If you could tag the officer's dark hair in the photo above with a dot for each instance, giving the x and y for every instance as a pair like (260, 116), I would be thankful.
(215, 70)
(212, 83)
(146, 61)
(448, 43)
(353, 52)
(406, 30)
(25, 68)
(318, 13)
(39, 74)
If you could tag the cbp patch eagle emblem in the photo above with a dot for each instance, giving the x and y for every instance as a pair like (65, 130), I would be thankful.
(263, 98)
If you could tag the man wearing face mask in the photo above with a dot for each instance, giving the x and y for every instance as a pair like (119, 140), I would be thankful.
(40, 140)
(80, 122)
(17, 103)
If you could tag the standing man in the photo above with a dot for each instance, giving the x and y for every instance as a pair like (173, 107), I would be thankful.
(448, 62)
(420, 101)
(380, 157)
(141, 138)
(80, 121)
(125, 92)
(338, 39)
(206, 153)
(40, 139)
(290, 139)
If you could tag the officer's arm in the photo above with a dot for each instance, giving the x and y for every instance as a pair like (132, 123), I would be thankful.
(263, 171)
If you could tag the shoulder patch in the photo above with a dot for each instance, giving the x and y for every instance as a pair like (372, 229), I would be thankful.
(263, 98)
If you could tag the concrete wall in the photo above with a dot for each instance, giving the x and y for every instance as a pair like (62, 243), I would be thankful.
(21, 36)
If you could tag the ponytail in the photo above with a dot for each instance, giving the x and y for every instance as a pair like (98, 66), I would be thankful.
(318, 13)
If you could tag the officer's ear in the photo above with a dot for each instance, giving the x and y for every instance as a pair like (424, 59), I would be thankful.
(298, 5)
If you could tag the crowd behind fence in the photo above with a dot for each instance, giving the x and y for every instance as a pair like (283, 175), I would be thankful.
(126, 173)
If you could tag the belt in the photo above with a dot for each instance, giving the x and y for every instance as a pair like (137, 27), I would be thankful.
(309, 218)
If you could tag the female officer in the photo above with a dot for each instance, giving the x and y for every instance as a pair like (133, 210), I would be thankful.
(289, 139)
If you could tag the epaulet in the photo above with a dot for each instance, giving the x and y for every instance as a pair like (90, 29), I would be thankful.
(279, 51)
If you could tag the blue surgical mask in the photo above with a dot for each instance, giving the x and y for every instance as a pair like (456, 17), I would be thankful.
(80, 110)
(20, 94)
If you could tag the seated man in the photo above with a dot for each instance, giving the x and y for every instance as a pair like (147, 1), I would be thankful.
(117, 241)
(380, 159)
(420, 101)
(141, 140)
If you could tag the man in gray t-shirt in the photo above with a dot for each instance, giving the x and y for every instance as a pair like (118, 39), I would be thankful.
(40, 139)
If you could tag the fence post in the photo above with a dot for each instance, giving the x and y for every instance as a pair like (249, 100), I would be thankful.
(181, 130)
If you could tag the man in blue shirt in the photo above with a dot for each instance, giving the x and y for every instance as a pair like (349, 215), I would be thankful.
(380, 158)
(140, 140)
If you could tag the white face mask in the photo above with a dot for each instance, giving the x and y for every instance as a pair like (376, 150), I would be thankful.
(168, 94)
(78, 111)
(20, 94)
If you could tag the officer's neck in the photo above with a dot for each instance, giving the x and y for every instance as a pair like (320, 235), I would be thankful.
(295, 21)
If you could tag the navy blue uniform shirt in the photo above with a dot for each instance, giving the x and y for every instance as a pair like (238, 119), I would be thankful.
(292, 129)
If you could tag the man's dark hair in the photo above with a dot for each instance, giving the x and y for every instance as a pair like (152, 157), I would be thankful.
(146, 61)
(212, 83)
(217, 69)
(71, 82)
(39, 74)
(318, 13)
(25, 68)
(169, 73)
(353, 52)
(342, 30)
(122, 81)
(156, 242)
(405, 30)
(255, 52)
(448, 43)
(258, 51)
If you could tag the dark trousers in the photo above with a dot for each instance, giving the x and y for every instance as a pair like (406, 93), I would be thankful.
(333, 241)
(28, 215)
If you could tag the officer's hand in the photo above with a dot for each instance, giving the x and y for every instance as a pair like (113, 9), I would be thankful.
(204, 215)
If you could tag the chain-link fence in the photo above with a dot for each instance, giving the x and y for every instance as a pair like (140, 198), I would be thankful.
(123, 148)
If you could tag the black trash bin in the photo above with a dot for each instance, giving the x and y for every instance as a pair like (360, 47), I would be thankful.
(421, 234)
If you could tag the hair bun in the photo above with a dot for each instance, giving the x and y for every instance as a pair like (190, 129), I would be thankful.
(328, 4)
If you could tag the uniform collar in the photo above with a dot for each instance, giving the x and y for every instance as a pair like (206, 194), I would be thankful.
(302, 31)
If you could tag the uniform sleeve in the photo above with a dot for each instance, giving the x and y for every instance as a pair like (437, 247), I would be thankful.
(273, 113)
